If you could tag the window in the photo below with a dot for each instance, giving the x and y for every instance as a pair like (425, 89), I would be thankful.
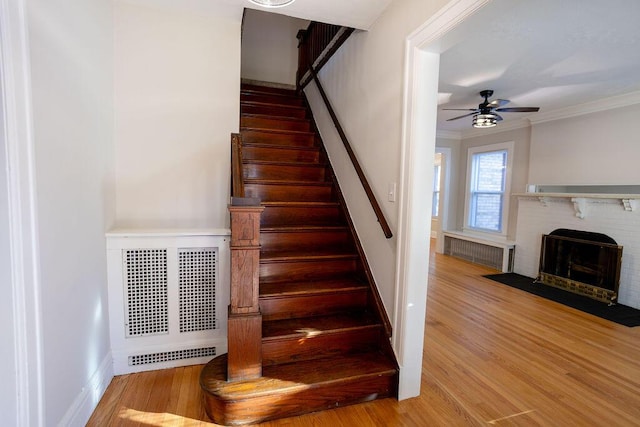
(488, 182)
(435, 206)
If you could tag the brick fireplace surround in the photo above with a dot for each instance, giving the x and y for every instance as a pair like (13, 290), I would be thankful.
(617, 217)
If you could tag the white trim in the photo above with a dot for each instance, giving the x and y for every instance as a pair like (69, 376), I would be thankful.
(167, 232)
(445, 195)
(509, 146)
(16, 81)
(452, 14)
(605, 104)
(84, 404)
(419, 113)
(587, 108)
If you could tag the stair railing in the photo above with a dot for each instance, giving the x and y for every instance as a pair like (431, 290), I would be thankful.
(244, 328)
(354, 160)
(315, 47)
(237, 183)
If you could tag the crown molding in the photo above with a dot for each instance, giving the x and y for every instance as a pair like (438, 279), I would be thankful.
(604, 104)
(613, 102)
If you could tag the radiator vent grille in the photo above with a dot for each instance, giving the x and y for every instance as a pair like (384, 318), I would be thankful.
(167, 356)
(146, 307)
(475, 252)
(197, 288)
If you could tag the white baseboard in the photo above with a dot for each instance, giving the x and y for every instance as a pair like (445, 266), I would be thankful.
(85, 403)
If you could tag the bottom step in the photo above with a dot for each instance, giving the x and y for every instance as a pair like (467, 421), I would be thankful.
(296, 388)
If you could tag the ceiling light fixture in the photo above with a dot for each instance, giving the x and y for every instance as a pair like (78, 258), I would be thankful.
(484, 120)
(272, 3)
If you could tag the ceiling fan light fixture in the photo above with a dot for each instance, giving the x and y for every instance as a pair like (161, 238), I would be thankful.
(272, 3)
(484, 121)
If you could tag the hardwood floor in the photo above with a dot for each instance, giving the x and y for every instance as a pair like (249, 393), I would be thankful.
(493, 355)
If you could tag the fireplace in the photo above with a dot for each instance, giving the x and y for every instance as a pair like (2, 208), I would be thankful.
(581, 262)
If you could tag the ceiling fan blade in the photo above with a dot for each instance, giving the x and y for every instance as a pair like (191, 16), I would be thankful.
(461, 109)
(464, 115)
(497, 116)
(518, 109)
(498, 103)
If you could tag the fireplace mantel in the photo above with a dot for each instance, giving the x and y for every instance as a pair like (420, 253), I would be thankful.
(629, 202)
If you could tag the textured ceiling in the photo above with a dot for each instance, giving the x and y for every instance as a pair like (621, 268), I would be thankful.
(545, 53)
(359, 14)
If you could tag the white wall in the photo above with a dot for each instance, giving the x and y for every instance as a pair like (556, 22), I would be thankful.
(364, 82)
(177, 83)
(450, 209)
(519, 172)
(598, 148)
(8, 398)
(270, 47)
(71, 50)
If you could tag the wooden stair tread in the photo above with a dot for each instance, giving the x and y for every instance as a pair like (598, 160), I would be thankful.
(300, 204)
(309, 327)
(271, 104)
(280, 289)
(292, 377)
(278, 131)
(303, 228)
(260, 91)
(274, 117)
(278, 146)
(287, 182)
(307, 255)
(283, 163)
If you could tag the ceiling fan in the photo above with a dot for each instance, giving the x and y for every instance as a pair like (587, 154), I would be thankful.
(486, 114)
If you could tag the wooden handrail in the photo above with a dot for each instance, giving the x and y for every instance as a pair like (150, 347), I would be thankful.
(354, 160)
(237, 182)
(316, 45)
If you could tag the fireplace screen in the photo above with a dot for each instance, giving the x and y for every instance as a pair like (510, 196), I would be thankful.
(581, 262)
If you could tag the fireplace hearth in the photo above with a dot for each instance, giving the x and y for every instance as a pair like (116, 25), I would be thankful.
(582, 262)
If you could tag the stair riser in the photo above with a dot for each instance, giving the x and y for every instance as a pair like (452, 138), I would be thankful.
(304, 400)
(273, 241)
(275, 123)
(276, 351)
(289, 193)
(311, 305)
(274, 216)
(306, 270)
(271, 98)
(249, 87)
(273, 110)
(280, 154)
(274, 138)
(279, 172)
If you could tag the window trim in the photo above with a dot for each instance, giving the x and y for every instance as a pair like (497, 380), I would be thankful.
(471, 151)
(437, 190)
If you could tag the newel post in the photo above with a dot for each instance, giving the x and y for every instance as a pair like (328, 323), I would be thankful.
(245, 320)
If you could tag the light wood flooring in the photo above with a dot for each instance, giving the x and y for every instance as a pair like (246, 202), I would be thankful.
(493, 355)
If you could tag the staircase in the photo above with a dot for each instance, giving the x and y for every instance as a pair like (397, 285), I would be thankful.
(325, 337)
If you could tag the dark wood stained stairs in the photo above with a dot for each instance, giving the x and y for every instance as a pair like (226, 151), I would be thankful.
(325, 337)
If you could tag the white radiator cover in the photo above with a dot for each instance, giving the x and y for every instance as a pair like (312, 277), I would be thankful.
(168, 297)
(491, 253)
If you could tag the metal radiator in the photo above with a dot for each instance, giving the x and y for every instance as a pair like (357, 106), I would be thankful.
(500, 258)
